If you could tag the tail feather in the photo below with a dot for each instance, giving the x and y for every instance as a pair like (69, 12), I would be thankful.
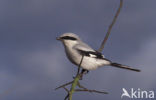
(124, 67)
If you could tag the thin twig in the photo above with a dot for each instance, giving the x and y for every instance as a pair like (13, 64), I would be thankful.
(66, 89)
(87, 90)
(80, 86)
(64, 85)
(78, 71)
(66, 97)
(110, 26)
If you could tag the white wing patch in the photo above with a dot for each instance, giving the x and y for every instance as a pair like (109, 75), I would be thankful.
(93, 56)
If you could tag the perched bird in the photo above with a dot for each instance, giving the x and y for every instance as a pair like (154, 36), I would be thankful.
(75, 48)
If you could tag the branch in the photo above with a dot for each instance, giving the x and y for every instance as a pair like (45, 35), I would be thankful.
(86, 90)
(62, 86)
(110, 26)
(76, 79)
(74, 84)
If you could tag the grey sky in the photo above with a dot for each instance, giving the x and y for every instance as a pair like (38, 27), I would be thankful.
(33, 63)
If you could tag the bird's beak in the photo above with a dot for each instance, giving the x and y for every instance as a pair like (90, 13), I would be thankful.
(58, 38)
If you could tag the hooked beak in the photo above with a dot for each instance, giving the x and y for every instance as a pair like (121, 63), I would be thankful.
(58, 38)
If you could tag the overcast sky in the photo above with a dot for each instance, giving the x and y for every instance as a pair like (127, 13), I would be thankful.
(33, 62)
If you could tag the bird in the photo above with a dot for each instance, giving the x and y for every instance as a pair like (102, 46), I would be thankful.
(75, 49)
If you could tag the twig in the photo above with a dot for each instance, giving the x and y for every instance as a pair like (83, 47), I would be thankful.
(78, 71)
(110, 26)
(80, 86)
(64, 85)
(87, 90)
(66, 89)
(66, 97)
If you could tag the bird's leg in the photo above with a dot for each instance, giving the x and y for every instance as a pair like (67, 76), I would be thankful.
(83, 71)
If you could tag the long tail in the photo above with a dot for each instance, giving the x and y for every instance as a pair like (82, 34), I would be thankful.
(124, 67)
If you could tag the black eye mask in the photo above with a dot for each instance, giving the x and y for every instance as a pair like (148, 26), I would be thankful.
(68, 38)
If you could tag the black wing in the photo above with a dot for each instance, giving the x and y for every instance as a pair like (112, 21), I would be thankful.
(92, 54)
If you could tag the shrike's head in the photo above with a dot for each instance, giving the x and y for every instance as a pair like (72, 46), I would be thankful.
(69, 39)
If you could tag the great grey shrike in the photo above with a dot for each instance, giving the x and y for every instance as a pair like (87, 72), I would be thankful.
(75, 48)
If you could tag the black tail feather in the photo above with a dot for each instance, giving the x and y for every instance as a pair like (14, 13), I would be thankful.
(124, 67)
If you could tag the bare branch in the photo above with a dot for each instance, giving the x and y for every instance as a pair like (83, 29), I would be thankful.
(64, 85)
(95, 91)
(66, 89)
(80, 86)
(87, 90)
(78, 71)
(66, 97)
(110, 26)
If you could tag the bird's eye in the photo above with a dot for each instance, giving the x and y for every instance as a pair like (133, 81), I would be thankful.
(68, 38)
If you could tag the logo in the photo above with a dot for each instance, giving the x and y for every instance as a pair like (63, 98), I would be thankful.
(138, 93)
